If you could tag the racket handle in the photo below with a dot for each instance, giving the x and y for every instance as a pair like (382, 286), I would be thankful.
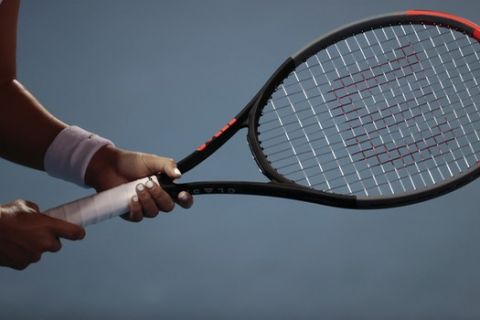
(98, 207)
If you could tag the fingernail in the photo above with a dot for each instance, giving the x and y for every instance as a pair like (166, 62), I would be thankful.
(177, 172)
(140, 187)
(149, 184)
(135, 199)
(183, 196)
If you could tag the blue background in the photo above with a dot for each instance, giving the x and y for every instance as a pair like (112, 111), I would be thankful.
(161, 77)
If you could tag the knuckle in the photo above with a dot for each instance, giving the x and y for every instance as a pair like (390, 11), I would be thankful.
(19, 204)
(21, 266)
(47, 243)
(25, 205)
(54, 246)
(32, 205)
(35, 257)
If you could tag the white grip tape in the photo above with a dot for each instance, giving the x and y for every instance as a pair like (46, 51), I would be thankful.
(98, 207)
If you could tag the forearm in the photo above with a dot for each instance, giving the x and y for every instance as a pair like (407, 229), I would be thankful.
(26, 128)
(8, 43)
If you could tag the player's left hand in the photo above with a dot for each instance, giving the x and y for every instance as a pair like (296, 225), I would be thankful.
(111, 167)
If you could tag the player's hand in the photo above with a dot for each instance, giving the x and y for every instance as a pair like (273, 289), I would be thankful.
(25, 234)
(111, 167)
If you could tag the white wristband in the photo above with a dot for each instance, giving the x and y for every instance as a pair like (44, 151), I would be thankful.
(69, 154)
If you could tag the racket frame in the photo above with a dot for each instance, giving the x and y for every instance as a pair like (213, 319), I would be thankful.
(285, 188)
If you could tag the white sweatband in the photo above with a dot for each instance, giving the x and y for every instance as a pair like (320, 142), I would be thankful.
(69, 154)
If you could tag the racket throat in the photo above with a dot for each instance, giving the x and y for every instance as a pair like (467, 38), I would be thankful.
(215, 142)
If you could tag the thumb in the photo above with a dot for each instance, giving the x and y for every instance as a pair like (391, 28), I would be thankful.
(155, 164)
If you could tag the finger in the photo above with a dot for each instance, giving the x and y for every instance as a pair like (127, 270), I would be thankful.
(17, 265)
(149, 206)
(185, 199)
(162, 199)
(51, 244)
(24, 258)
(26, 206)
(14, 256)
(34, 257)
(172, 171)
(66, 230)
(32, 205)
(161, 164)
(136, 214)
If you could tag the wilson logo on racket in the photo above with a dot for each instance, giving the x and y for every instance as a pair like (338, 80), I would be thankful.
(218, 134)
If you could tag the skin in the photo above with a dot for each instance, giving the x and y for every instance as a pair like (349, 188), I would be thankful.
(26, 131)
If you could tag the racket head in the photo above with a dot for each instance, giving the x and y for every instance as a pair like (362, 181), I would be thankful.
(381, 113)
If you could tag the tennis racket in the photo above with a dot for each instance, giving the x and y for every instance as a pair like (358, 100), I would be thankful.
(380, 113)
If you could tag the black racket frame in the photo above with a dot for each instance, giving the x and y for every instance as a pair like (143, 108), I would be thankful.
(279, 186)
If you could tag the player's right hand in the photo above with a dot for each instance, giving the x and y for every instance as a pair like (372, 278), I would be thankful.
(25, 234)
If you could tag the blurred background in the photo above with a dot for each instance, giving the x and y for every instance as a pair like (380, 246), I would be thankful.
(161, 77)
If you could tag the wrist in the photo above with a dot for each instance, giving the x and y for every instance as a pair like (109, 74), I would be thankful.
(102, 165)
(70, 153)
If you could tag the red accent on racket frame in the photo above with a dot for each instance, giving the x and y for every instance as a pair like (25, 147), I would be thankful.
(217, 135)
(475, 27)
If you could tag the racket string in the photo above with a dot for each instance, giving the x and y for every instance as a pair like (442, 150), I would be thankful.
(311, 97)
(368, 60)
(407, 177)
(334, 99)
(312, 149)
(293, 149)
(425, 73)
(362, 123)
(390, 160)
(397, 147)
